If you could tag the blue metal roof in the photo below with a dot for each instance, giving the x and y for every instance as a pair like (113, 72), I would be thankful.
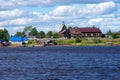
(18, 39)
(2, 41)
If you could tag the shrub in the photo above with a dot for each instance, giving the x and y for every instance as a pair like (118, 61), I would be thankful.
(77, 40)
(114, 36)
(32, 42)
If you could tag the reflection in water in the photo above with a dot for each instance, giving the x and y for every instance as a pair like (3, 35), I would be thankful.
(60, 63)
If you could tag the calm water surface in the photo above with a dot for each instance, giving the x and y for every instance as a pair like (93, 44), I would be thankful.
(60, 63)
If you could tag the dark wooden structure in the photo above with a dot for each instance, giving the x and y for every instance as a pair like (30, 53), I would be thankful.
(64, 32)
(86, 32)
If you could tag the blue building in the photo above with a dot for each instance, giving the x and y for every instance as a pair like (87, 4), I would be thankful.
(18, 40)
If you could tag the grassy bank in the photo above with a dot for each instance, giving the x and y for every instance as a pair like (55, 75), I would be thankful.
(80, 42)
(89, 42)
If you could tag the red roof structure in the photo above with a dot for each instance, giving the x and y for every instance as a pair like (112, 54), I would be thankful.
(85, 30)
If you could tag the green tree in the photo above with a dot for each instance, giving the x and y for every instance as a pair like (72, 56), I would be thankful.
(27, 29)
(77, 40)
(33, 32)
(4, 35)
(49, 34)
(114, 36)
(42, 34)
(1, 34)
(18, 34)
(70, 27)
(55, 35)
(109, 32)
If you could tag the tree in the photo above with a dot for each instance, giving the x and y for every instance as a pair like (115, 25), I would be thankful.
(114, 36)
(70, 27)
(109, 32)
(49, 34)
(1, 34)
(4, 35)
(33, 32)
(18, 34)
(26, 30)
(42, 34)
(55, 35)
(77, 40)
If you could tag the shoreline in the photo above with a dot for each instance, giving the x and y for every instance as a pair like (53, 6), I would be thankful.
(71, 42)
(59, 46)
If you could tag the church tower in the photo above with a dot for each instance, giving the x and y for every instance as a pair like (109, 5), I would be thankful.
(64, 31)
(63, 28)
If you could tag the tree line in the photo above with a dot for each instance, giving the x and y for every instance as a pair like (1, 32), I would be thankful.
(32, 31)
(112, 34)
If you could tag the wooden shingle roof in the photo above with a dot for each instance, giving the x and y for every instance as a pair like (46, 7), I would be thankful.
(85, 30)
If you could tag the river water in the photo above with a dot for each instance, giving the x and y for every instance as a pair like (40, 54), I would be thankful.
(60, 63)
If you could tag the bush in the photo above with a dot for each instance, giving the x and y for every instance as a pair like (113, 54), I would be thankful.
(114, 36)
(77, 40)
(32, 42)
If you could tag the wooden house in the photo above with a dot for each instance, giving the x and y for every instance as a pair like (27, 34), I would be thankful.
(86, 32)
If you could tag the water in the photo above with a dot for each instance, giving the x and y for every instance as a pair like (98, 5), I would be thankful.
(60, 63)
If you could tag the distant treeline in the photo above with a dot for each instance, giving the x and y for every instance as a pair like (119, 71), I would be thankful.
(32, 31)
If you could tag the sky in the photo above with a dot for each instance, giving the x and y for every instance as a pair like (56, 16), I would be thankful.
(48, 15)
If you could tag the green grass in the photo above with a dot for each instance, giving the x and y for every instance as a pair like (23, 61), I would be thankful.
(32, 42)
(65, 42)
(83, 42)
(90, 42)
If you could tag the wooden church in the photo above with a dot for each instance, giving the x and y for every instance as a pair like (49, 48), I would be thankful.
(64, 32)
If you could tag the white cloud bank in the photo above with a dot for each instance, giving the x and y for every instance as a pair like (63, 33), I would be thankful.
(103, 15)
(88, 10)
(10, 14)
(10, 4)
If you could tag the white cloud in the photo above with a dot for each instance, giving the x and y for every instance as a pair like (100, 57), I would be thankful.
(10, 14)
(6, 5)
(109, 16)
(13, 30)
(89, 10)
(111, 21)
(102, 8)
(10, 4)
(106, 23)
(32, 3)
(56, 2)
(66, 10)
(19, 21)
(2, 28)
(102, 15)
(95, 21)
(98, 9)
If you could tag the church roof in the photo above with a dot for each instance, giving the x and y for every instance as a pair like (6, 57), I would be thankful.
(63, 29)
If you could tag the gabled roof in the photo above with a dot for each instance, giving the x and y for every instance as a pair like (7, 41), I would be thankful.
(85, 30)
(63, 29)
